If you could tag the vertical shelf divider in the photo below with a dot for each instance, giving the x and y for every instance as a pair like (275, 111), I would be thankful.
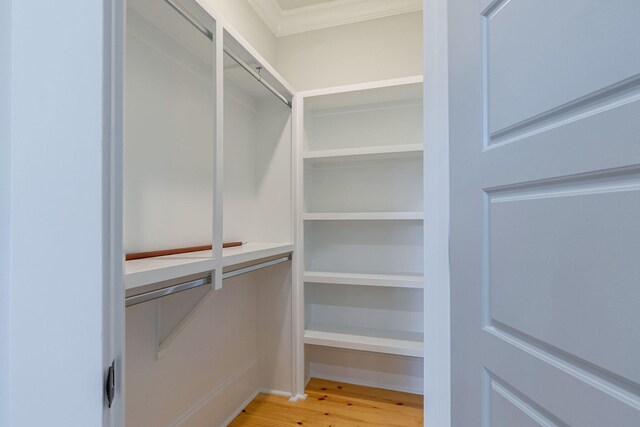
(218, 200)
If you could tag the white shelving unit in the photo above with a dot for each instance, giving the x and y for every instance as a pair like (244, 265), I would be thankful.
(208, 159)
(361, 227)
(223, 187)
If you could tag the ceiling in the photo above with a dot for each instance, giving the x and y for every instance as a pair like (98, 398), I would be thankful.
(285, 17)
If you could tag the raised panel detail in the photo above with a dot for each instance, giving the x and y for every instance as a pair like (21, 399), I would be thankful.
(563, 268)
(507, 407)
(545, 54)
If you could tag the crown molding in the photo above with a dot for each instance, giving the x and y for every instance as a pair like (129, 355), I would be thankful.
(328, 14)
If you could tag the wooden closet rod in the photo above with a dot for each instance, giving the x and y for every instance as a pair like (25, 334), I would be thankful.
(151, 254)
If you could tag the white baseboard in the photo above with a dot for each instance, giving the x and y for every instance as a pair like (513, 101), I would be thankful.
(239, 409)
(275, 392)
(247, 401)
(298, 397)
(241, 386)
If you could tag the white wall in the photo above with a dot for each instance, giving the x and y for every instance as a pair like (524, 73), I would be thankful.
(5, 187)
(56, 265)
(378, 49)
(244, 19)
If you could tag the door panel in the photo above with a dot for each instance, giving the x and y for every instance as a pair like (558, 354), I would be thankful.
(564, 45)
(545, 208)
(563, 268)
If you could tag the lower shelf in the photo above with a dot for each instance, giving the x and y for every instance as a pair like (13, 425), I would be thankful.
(141, 272)
(146, 271)
(388, 280)
(253, 251)
(402, 343)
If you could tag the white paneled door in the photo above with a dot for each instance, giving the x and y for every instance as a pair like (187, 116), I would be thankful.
(545, 212)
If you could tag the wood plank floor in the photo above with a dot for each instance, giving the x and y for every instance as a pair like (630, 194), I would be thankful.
(334, 404)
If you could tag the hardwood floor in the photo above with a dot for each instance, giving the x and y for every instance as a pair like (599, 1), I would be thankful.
(334, 404)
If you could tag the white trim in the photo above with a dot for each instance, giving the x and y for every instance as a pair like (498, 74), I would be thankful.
(252, 396)
(437, 333)
(275, 392)
(284, 22)
(298, 397)
(297, 286)
(184, 417)
(113, 161)
(240, 407)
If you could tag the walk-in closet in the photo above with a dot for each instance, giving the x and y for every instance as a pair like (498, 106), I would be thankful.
(270, 236)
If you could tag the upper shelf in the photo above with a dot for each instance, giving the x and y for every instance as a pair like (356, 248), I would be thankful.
(394, 90)
(143, 272)
(362, 216)
(365, 152)
(386, 280)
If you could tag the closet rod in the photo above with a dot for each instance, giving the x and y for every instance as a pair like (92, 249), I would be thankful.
(204, 30)
(189, 17)
(170, 290)
(257, 76)
(259, 266)
(159, 293)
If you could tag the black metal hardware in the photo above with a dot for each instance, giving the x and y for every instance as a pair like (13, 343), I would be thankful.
(110, 387)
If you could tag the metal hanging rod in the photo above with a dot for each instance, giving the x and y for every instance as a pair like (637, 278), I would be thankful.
(257, 76)
(204, 30)
(189, 17)
(259, 266)
(180, 287)
(159, 293)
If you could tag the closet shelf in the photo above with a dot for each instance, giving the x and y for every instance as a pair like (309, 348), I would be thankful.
(362, 216)
(372, 152)
(388, 280)
(146, 271)
(252, 251)
(402, 343)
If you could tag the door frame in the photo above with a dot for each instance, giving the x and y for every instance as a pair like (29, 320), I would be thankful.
(437, 302)
(113, 189)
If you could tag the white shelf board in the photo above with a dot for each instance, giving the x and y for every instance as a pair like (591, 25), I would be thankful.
(146, 271)
(402, 343)
(365, 152)
(387, 280)
(252, 251)
(141, 272)
(363, 93)
(362, 216)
